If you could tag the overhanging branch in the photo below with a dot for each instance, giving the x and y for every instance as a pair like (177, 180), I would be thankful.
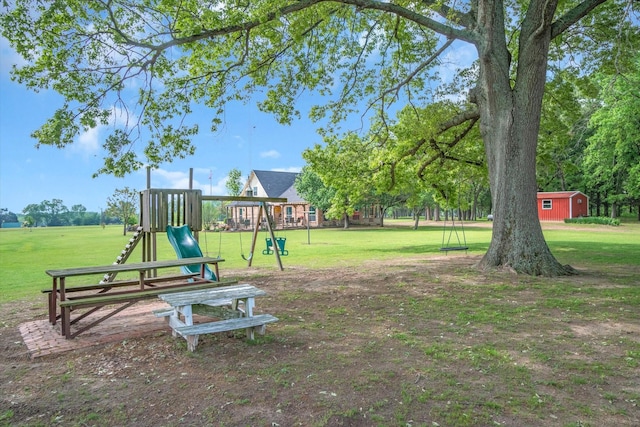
(573, 16)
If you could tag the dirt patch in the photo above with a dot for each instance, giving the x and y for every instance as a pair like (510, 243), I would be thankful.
(420, 341)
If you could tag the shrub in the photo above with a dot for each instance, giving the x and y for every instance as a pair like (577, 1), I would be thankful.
(603, 220)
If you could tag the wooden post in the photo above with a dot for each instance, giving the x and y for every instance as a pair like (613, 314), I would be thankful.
(256, 229)
(276, 248)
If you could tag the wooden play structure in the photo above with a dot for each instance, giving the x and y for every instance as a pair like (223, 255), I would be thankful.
(160, 208)
(178, 214)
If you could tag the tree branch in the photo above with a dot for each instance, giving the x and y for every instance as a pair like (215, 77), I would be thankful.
(573, 16)
(443, 155)
(423, 20)
(410, 77)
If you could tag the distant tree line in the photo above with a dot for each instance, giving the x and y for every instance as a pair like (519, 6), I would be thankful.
(52, 213)
(7, 216)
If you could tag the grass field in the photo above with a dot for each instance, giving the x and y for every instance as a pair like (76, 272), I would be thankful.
(25, 254)
(377, 328)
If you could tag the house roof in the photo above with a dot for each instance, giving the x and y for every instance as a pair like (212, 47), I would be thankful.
(292, 195)
(558, 194)
(275, 184)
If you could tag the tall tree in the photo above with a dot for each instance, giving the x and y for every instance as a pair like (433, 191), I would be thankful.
(123, 204)
(78, 212)
(310, 186)
(342, 166)
(357, 55)
(568, 104)
(33, 214)
(48, 212)
(234, 182)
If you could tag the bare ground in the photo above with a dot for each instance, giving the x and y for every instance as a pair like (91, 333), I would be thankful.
(425, 341)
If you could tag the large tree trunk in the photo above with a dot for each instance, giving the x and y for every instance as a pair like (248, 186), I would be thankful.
(510, 143)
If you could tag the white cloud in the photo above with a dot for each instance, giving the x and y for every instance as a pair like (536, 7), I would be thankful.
(240, 140)
(162, 178)
(178, 180)
(272, 154)
(458, 56)
(8, 57)
(295, 169)
(88, 142)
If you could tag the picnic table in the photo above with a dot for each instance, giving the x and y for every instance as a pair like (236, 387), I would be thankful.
(239, 301)
(123, 293)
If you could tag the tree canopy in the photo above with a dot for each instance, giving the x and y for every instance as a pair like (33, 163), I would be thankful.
(612, 156)
(123, 204)
(234, 182)
(357, 57)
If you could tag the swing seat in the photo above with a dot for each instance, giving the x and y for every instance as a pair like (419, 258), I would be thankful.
(455, 248)
(280, 241)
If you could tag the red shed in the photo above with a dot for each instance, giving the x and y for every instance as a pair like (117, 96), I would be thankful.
(558, 205)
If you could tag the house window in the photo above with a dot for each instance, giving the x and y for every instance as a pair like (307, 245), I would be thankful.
(312, 213)
(546, 204)
(579, 201)
(255, 191)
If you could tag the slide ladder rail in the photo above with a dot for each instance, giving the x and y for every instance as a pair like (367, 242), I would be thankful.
(124, 255)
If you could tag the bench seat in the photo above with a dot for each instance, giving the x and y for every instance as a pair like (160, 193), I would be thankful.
(191, 332)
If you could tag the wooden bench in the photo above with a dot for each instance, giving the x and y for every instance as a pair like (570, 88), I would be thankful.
(192, 332)
(123, 293)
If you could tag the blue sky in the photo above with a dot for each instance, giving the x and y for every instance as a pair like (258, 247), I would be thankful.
(249, 140)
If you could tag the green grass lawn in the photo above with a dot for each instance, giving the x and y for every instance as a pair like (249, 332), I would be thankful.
(417, 341)
(25, 254)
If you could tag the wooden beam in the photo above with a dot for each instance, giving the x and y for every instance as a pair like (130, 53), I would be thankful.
(246, 199)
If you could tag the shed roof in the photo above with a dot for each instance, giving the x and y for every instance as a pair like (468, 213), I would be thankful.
(558, 194)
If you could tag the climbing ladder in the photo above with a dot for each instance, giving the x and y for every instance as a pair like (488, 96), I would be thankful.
(124, 255)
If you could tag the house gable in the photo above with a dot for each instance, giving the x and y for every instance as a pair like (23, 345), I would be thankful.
(273, 184)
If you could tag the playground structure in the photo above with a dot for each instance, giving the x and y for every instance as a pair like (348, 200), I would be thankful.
(162, 208)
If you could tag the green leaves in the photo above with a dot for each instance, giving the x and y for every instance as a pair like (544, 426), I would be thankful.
(59, 131)
(613, 154)
(423, 152)
(154, 59)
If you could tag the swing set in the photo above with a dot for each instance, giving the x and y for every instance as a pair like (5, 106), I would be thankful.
(160, 208)
(453, 232)
(262, 212)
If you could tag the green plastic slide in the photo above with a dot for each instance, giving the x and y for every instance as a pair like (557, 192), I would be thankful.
(186, 246)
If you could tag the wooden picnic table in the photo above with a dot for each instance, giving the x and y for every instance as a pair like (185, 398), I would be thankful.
(180, 313)
(144, 287)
